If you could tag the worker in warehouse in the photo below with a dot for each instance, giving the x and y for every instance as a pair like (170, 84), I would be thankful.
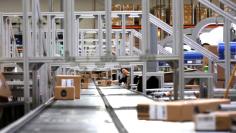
(124, 80)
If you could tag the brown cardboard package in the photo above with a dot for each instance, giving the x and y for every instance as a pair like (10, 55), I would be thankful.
(102, 83)
(94, 76)
(85, 80)
(4, 88)
(206, 105)
(215, 121)
(64, 93)
(84, 85)
(76, 79)
(143, 111)
(109, 82)
(177, 110)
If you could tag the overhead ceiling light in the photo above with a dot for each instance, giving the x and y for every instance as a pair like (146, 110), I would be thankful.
(87, 16)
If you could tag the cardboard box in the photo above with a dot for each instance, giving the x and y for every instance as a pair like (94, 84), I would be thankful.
(76, 82)
(84, 85)
(177, 110)
(4, 88)
(215, 121)
(85, 80)
(109, 82)
(64, 93)
(102, 83)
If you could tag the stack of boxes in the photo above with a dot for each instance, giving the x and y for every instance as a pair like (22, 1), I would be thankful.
(85, 80)
(104, 83)
(188, 11)
(67, 87)
(129, 20)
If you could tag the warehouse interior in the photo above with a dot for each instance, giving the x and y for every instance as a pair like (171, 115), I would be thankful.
(125, 66)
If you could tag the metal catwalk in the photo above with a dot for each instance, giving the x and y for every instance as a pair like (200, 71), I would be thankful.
(100, 110)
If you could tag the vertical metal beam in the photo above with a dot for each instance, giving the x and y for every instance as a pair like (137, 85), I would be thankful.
(35, 89)
(132, 75)
(227, 52)
(108, 4)
(144, 87)
(210, 80)
(145, 26)
(48, 35)
(131, 41)
(25, 7)
(123, 44)
(152, 65)
(178, 41)
(77, 33)
(117, 44)
(145, 38)
(100, 36)
(50, 5)
(1, 36)
(82, 43)
(34, 28)
(69, 19)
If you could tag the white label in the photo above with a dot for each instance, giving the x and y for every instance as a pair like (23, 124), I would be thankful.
(205, 122)
(152, 112)
(189, 62)
(63, 82)
(69, 82)
(161, 112)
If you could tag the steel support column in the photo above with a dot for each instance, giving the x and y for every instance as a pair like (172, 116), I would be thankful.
(108, 4)
(100, 36)
(145, 26)
(123, 44)
(178, 43)
(25, 7)
(227, 51)
(69, 19)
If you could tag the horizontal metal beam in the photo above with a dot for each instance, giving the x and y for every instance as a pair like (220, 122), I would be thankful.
(197, 75)
(87, 59)
(61, 14)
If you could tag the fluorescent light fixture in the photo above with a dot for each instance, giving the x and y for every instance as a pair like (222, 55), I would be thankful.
(134, 15)
(87, 16)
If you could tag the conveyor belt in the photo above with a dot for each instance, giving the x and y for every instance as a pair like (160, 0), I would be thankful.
(105, 110)
(88, 114)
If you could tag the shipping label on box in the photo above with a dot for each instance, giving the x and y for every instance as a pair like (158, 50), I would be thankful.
(152, 112)
(205, 122)
(161, 112)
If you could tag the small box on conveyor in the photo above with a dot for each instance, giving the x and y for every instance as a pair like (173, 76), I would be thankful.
(70, 80)
(214, 121)
(64, 92)
(84, 85)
